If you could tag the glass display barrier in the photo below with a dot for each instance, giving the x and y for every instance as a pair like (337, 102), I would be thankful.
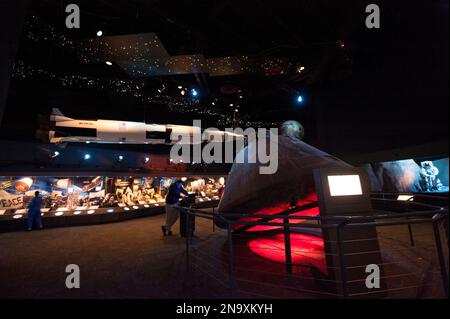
(87, 194)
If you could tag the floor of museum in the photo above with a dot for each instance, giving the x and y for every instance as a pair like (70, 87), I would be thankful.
(132, 259)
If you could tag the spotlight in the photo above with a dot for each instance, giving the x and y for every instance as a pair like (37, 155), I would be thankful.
(99, 33)
(88, 142)
(77, 212)
(146, 206)
(180, 87)
(90, 212)
(59, 213)
(213, 103)
(183, 92)
(194, 92)
(87, 156)
(55, 154)
(300, 69)
(126, 208)
(161, 88)
(110, 210)
(108, 63)
(120, 158)
(17, 216)
(299, 99)
(147, 159)
(341, 44)
(236, 110)
(135, 207)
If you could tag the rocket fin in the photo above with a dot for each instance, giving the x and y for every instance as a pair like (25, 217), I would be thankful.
(58, 116)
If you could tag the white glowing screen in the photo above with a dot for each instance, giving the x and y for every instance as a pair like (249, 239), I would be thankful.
(344, 185)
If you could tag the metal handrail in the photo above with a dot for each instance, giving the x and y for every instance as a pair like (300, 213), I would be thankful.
(436, 214)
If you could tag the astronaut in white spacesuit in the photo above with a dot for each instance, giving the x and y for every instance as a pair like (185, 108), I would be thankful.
(429, 173)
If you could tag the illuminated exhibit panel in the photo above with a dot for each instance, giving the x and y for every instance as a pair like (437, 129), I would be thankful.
(409, 176)
(63, 196)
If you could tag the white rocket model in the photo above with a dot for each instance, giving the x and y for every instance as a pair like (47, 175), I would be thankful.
(68, 130)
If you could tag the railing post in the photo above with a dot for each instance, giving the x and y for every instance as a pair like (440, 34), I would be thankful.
(437, 237)
(287, 245)
(213, 222)
(187, 232)
(230, 260)
(341, 260)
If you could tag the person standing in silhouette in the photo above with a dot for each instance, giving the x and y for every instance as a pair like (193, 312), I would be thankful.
(34, 211)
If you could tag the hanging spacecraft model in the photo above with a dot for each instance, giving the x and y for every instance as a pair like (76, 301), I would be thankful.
(67, 130)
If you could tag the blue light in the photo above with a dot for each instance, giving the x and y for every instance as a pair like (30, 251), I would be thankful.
(299, 99)
(87, 156)
(194, 92)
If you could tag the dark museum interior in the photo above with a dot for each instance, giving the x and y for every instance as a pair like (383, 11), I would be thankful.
(341, 191)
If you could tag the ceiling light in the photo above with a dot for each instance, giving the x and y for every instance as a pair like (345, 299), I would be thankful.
(108, 63)
(99, 33)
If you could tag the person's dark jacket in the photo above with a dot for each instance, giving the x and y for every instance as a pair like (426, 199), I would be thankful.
(174, 193)
(35, 204)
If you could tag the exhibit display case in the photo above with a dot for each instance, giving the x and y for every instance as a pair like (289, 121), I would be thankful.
(86, 195)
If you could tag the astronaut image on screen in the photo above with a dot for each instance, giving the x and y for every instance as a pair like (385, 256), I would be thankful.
(428, 174)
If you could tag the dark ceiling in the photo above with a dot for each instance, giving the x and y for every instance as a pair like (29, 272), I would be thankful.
(363, 90)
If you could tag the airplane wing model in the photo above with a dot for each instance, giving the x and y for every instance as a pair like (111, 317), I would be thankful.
(68, 130)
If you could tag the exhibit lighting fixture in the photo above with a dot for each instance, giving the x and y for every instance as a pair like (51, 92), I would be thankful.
(120, 158)
(108, 63)
(194, 92)
(135, 207)
(90, 212)
(55, 154)
(126, 208)
(212, 103)
(17, 216)
(88, 142)
(180, 87)
(183, 179)
(87, 156)
(344, 185)
(405, 197)
(59, 213)
(299, 99)
(147, 159)
(77, 212)
(146, 206)
(110, 210)
(99, 33)
(156, 205)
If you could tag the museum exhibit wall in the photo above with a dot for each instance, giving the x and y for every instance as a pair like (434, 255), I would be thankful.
(63, 195)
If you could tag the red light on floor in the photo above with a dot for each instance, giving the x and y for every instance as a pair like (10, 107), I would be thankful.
(305, 249)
